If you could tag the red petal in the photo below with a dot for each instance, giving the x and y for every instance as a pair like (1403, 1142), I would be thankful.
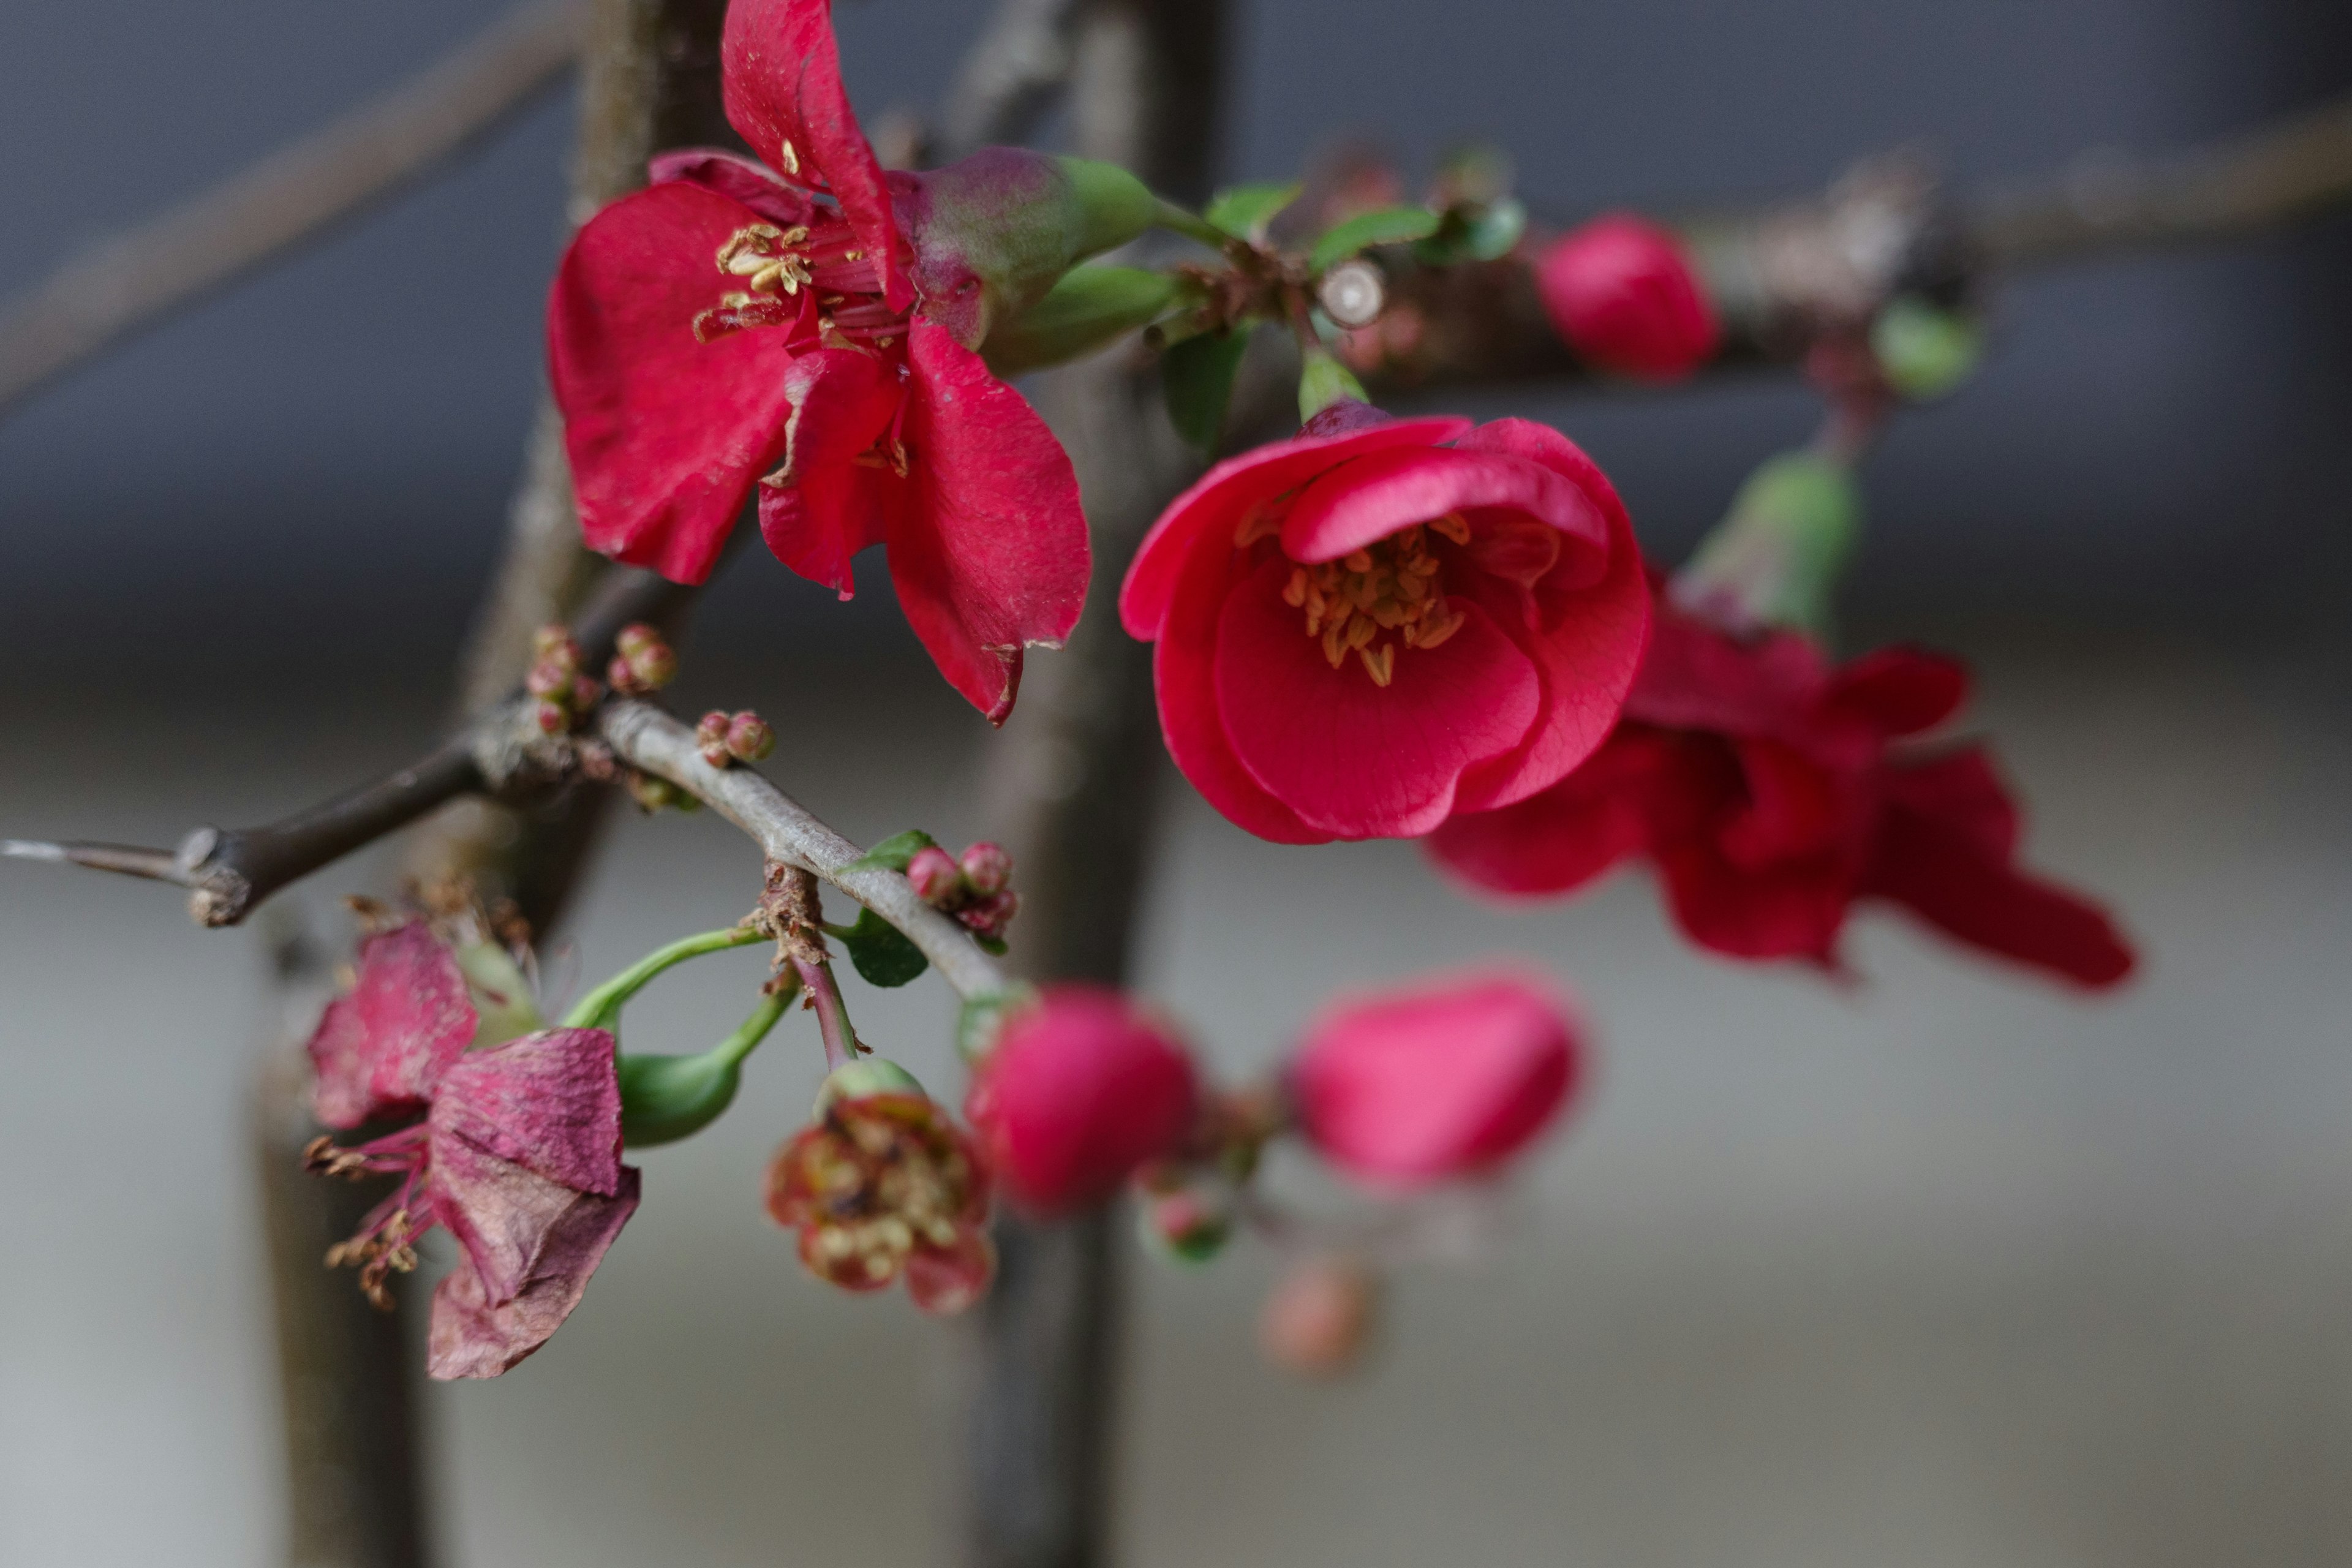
(736, 177)
(557, 1240)
(381, 1050)
(1963, 791)
(665, 434)
(781, 76)
(1358, 760)
(1693, 676)
(1370, 498)
(825, 506)
(990, 554)
(1899, 691)
(1183, 679)
(1790, 911)
(1216, 502)
(1795, 807)
(549, 1102)
(1566, 835)
(947, 1281)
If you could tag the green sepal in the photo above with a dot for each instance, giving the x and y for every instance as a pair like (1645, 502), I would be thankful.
(1386, 226)
(1245, 211)
(893, 853)
(1197, 378)
(1090, 308)
(1324, 381)
(1923, 352)
(981, 1017)
(1776, 557)
(504, 1008)
(859, 1080)
(881, 953)
(1111, 206)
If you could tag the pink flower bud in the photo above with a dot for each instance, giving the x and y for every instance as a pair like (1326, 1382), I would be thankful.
(1080, 1091)
(653, 665)
(552, 718)
(989, 917)
(748, 737)
(988, 868)
(937, 878)
(1622, 292)
(710, 734)
(584, 693)
(553, 645)
(1192, 1223)
(1449, 1079)
(549, 681)
(634, 637)
(1318, 1317)
(622, 679)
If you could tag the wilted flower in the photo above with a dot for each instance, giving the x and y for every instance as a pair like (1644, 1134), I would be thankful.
(883, 1185)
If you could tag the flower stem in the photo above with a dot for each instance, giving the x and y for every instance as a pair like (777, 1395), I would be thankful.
(840, 1046)
(754, 1028)
(601, 1009)
(1190, 224)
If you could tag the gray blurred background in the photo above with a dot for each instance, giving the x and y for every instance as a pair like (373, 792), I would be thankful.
(1952, 1270)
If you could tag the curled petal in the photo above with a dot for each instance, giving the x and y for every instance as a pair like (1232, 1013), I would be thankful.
(542, 1241)
(736, 177)
(834, 493)
(381, 1050)
(1564, 836)
(1371, 496)
(549, 1102)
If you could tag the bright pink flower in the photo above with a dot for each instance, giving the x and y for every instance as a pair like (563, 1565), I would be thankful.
(813, 321)
(1442, 1079)
(518, 1155)
(886, 1185)
(1622, 293)
(1765, 787)
(1381, 621)
(1080, 1092)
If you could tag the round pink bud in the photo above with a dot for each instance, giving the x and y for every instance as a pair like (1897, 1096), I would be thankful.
(549, 681)
(1080, 1091)
(938, 879)
(653, 665)
(584, 693)
(1448, 1078)
(717, 756)
(622, 679)
(1319, 1317)
(989, 917)
(635, 636)
(552, 718)
(554, 642)
(711, 728)
(1622, 292)
(748, 737)
(988, 868)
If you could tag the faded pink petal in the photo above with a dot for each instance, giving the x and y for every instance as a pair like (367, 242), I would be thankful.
(379, 1051)
(530, 1247)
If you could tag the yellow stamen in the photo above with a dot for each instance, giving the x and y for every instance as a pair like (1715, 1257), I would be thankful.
(1385, 594)
(792, 159)
(1380, 664)
(1453, 526)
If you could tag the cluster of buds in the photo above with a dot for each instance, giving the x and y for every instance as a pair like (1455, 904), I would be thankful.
(643, 662)
(563, 694)
(977, 889)
(653, 793)
(728, 738)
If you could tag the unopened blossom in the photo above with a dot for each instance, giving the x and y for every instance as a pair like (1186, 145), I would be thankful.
(882, 1186)
(807, 324)
(1622, 292)
(1438, 1081)
(517, 1153)
(1080, 1091)
(1772, 791)
(1319, 1317)
(1381, 621)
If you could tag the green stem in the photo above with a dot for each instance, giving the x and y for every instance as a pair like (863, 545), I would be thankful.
(754, 1028)
(1192, 225)
(601, 1009)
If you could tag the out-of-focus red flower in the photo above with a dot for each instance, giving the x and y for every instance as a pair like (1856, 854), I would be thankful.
(884, 1185)
(518, 1155)
(1767, 787)
(1079, 1092)
(1622, 293)
(813, 321)
(1442, 1079)
(1380, 621)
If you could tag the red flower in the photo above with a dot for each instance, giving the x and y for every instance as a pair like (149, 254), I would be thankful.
(1380, 621)
(1442, 1079)
(1763, 784)
(884, 1185)
(1079, 1092)
(518, 1155)
(813, 321)
(1622, 293)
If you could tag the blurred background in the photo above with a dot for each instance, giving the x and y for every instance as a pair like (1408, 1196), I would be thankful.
(1950, 1268)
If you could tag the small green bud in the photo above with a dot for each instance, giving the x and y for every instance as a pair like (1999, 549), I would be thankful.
(665, 1099)
(857, 1079)
(1110, 206)
(1923, 352)
(1776, 557)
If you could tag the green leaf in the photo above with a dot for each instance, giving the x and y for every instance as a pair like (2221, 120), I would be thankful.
(1324, 381)
(881, 950)
(1090, 308)
(893, 853)
(1388, 226)
(1197, 376)
(1246, 210)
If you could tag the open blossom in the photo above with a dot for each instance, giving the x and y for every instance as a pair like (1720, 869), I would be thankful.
(1442, 1079)
(1768, 788)
(1381, 621)
(1622, 293)
(518, 1153)
(884, 1185)
(808, 324)
(1079, 1092)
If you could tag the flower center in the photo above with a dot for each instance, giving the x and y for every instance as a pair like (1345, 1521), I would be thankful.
(775, 264)
(882, 1188)
(1390, 594)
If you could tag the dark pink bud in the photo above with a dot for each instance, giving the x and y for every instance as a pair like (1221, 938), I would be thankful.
(553, 645)
(622, 679)
(710, 734)
(552, 718)
(938, 879)
(653, 665)
(634, 637)
(1407, 1087)
(1318, 1317)
(584, 693)
(1622, 292)
(989, 917)
(1081, 1090)
(748, 737)
(549, 681)
(988, 868)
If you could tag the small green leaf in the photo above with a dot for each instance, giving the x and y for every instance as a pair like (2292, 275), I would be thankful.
(881, 950)
(1388, 226)
(1090, 308)
(1246, 210)
(1324, 381)
(1197, 376)
(893, 853)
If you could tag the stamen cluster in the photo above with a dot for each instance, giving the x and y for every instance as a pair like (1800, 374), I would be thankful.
(1393, 585)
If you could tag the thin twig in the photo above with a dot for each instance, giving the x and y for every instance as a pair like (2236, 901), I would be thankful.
(139, 277)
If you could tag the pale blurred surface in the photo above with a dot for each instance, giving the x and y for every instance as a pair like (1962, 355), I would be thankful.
(1954, 1269)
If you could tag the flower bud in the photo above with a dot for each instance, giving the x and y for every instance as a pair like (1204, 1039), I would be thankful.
(552, 718)
(1621, 291)
(1319, 1317)
(635, 637)
(988, 868)
(1408, 1088)
(665, 1099)
(548, 681)
(938, 880)
(584, 693)
(710, 734)
(1080, 1091)
(653, 666)
(748, 737)
(989, 917)
(1189, 1224)
(553, 645)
